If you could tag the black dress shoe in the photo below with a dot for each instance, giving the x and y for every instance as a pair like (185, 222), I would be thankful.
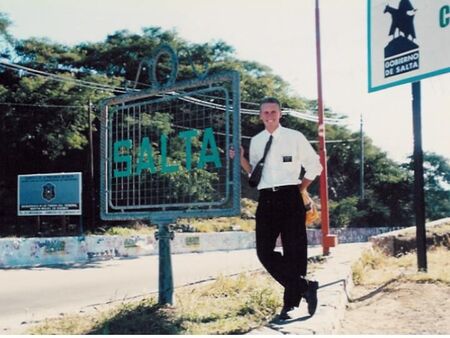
(311, 296)
(284, 314)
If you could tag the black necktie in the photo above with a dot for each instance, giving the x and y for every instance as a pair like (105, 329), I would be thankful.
(255, 177)
(267, 148)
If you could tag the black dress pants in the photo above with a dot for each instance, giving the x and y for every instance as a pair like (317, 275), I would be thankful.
(282, 212)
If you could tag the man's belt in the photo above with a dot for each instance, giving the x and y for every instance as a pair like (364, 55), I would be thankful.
(279, 188)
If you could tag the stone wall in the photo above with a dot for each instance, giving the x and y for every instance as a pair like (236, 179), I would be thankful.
(404, 240)
(29, 252)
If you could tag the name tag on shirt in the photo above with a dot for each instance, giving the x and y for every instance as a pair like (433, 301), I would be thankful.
(287, 158)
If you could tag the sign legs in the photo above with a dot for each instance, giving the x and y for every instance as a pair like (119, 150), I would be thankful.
(165, 263)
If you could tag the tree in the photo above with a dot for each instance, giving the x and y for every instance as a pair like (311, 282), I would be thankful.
(43, 120)
(437, 184)
(6, 39)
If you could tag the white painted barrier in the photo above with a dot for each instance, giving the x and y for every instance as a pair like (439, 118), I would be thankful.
(29, 252)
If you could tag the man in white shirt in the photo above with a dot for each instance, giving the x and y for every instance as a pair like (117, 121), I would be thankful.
(280, 209)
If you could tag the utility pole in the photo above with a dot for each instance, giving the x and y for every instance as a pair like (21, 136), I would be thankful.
(327, 239)
(361, 168)
(91, 170)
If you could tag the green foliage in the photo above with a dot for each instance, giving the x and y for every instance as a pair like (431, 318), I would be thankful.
(437, 184)
(342, 213)
(197, 184)
(374, 212)
(45, 127)
(6, 39)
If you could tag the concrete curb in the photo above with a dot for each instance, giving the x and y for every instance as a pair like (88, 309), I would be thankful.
(335, 278)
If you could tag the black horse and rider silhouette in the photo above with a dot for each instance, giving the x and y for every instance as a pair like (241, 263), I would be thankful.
(402, 20)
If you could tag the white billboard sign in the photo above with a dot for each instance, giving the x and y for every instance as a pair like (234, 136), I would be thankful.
(408, 40)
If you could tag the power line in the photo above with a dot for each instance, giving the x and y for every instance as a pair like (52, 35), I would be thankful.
(40, 105)
(55, 76)
(305, 115)
(86, 106)
(77, 82)
(301, 115)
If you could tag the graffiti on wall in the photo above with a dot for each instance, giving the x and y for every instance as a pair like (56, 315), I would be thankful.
(64, 250)
(52, 246)
(104, 254)
(192, 241)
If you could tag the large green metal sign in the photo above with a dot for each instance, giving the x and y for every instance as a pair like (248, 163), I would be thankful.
(164, 151)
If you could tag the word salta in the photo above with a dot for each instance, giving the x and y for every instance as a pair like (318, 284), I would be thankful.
(144, 159)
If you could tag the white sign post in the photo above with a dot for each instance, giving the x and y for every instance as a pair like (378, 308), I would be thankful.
(409, 40)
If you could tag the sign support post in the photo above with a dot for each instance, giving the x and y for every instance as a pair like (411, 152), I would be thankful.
(404, 48)
(419, 199)
(164, 152)
(165, 286)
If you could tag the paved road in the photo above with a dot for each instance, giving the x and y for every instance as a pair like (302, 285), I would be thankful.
(28, 295)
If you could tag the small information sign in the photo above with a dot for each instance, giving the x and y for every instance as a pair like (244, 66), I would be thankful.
(49, 194)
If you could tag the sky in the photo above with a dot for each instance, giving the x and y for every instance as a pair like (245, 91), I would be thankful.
(276, 33)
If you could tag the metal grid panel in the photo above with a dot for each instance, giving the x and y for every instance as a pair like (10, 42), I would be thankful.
(166, 153)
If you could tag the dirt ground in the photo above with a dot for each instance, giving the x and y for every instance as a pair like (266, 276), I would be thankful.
(399, 307)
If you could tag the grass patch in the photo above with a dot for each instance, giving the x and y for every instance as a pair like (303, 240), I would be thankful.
(441, 229)
(130, 231)
(225, 306)
(217, 224)
(245, 222)
(220, 224)
(375, 267)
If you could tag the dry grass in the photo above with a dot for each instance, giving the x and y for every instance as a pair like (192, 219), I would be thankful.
(130, 231)
(226, 306)
(440, 229)
(220, 224)
(229, 305)
(392, 297)
(375, 267)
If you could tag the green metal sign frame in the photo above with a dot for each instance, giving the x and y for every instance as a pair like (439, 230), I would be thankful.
(139, 180)
(116, 143)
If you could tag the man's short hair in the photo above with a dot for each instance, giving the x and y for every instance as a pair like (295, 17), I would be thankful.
(269, 99)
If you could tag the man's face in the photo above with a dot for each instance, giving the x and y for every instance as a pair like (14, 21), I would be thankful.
(270, 114)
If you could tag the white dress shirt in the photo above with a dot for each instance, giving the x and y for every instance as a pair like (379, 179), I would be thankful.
(290, 150)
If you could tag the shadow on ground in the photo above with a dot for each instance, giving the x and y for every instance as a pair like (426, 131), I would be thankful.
(143, 319)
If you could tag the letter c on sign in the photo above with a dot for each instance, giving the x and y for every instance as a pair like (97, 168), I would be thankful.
(444, 16)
